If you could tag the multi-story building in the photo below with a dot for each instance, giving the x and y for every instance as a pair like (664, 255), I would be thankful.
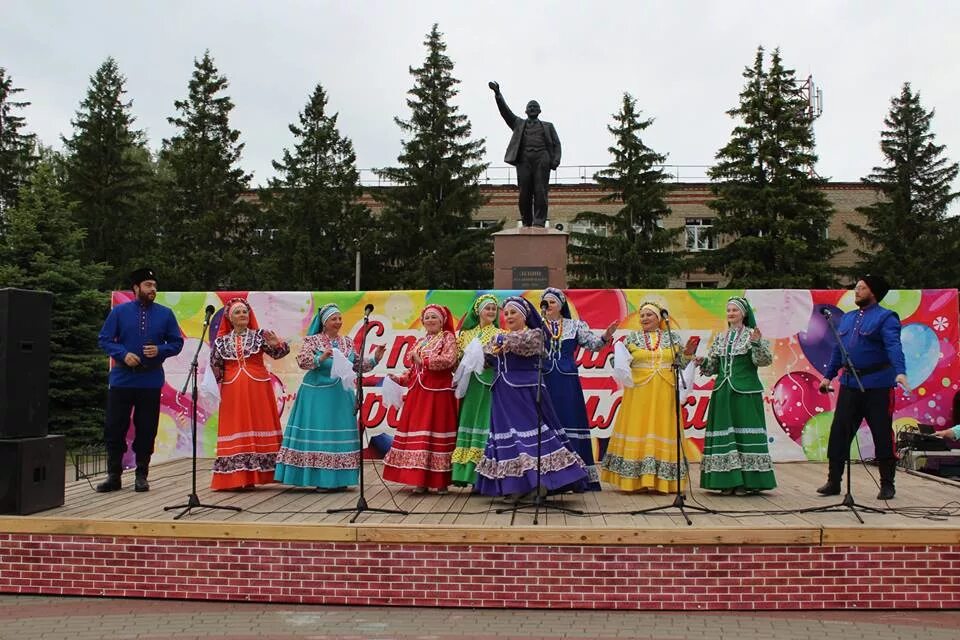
(688, 208)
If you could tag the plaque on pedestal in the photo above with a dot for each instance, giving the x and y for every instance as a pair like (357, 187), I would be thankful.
(530, 278)
(529, 258)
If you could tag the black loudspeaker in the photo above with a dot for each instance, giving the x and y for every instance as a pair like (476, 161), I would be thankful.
(24, 362)
(32, 474)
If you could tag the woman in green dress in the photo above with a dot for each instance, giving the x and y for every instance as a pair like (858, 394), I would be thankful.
(736, 458)
(473, 380)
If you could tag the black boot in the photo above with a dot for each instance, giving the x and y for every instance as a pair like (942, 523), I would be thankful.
(112, 483)
(834, 476)
(888, 469)
(140, 483)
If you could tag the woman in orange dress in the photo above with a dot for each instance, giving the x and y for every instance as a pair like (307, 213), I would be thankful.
(422, 449)
(248, 435)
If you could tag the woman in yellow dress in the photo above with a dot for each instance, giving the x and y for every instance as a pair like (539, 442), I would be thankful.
(642, 451)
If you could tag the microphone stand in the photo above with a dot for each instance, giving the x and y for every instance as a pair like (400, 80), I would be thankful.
(361, 505)
(848, 501)
(539, 500)
(679, 499)
(193, 501)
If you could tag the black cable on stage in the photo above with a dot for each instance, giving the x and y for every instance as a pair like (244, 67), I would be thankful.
(383, 482)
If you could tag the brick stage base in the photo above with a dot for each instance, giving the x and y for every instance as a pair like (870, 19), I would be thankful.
(490, 575)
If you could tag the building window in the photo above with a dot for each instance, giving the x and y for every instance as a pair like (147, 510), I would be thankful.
(697, 234)
(701, 284)
(483, 224)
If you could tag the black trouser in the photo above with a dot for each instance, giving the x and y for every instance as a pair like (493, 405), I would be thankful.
(853, 406)
(533, 176)
(145, 405)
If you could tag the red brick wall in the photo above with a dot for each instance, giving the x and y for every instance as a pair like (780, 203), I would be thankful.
(628, 577)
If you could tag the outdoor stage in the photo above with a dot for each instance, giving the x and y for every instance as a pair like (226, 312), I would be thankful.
(455, 551)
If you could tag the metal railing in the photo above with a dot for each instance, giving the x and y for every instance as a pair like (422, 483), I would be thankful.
(564, 174)
(89, 460)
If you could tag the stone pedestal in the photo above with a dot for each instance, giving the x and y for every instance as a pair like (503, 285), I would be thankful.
(530, 258)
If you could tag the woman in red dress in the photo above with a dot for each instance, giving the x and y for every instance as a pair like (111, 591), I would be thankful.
(248, 435)
(427, 434)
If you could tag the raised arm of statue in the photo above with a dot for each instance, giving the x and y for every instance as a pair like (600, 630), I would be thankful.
(508, 116)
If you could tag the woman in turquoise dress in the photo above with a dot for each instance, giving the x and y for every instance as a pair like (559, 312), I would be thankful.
(321, 442)
(480, 325)
(736, 457)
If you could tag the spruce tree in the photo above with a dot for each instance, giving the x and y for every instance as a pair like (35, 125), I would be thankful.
(314, 206)
(42, 251)
(109, 178)
(16, 146)
(427, 240)
(771, 214)
(908, 235)
(207, 231)
(633, 250)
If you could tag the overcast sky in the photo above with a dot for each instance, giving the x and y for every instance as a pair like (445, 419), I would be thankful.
(682, 60)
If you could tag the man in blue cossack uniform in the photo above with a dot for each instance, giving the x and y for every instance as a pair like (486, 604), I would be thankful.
(871, 335)
(138, 336)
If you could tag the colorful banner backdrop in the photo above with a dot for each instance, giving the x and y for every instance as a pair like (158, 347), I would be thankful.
(798, 416)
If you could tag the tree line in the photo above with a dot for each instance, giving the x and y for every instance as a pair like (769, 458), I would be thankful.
(76, 221)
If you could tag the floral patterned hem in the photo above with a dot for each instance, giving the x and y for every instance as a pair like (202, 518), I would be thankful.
(517, 467)
(464, 455)
(736, 461)
(648, 466)
(318, 459)
(266, 462)
(431, 461)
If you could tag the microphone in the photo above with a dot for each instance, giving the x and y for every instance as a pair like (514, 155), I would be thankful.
(208, 313)
(543, 306)
(664, 314)
(142, 366)
(825, 313)
(367, 310)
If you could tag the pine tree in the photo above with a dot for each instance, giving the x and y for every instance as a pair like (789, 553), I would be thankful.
(908, 235)
(427, 240)
(314, 207)
(16, 147)
(42, 251)
(634, 250)
(109, 177)
(770, 209)
(207, 231)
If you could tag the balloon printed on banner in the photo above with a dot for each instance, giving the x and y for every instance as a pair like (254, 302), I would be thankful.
(816, 437)
(796, 399)
(921, 350)
(818, 341)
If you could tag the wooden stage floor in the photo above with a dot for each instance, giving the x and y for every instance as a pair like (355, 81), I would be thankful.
(280, 512)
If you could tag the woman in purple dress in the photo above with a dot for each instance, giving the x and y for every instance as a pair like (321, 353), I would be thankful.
(509, 463)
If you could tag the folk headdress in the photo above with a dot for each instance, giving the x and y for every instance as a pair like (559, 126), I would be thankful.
(749, 320)
(445, 315)
(531, 318)
(657, 309)
(471, 318)
(226, 326)
(552, 293)
(325, 312)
